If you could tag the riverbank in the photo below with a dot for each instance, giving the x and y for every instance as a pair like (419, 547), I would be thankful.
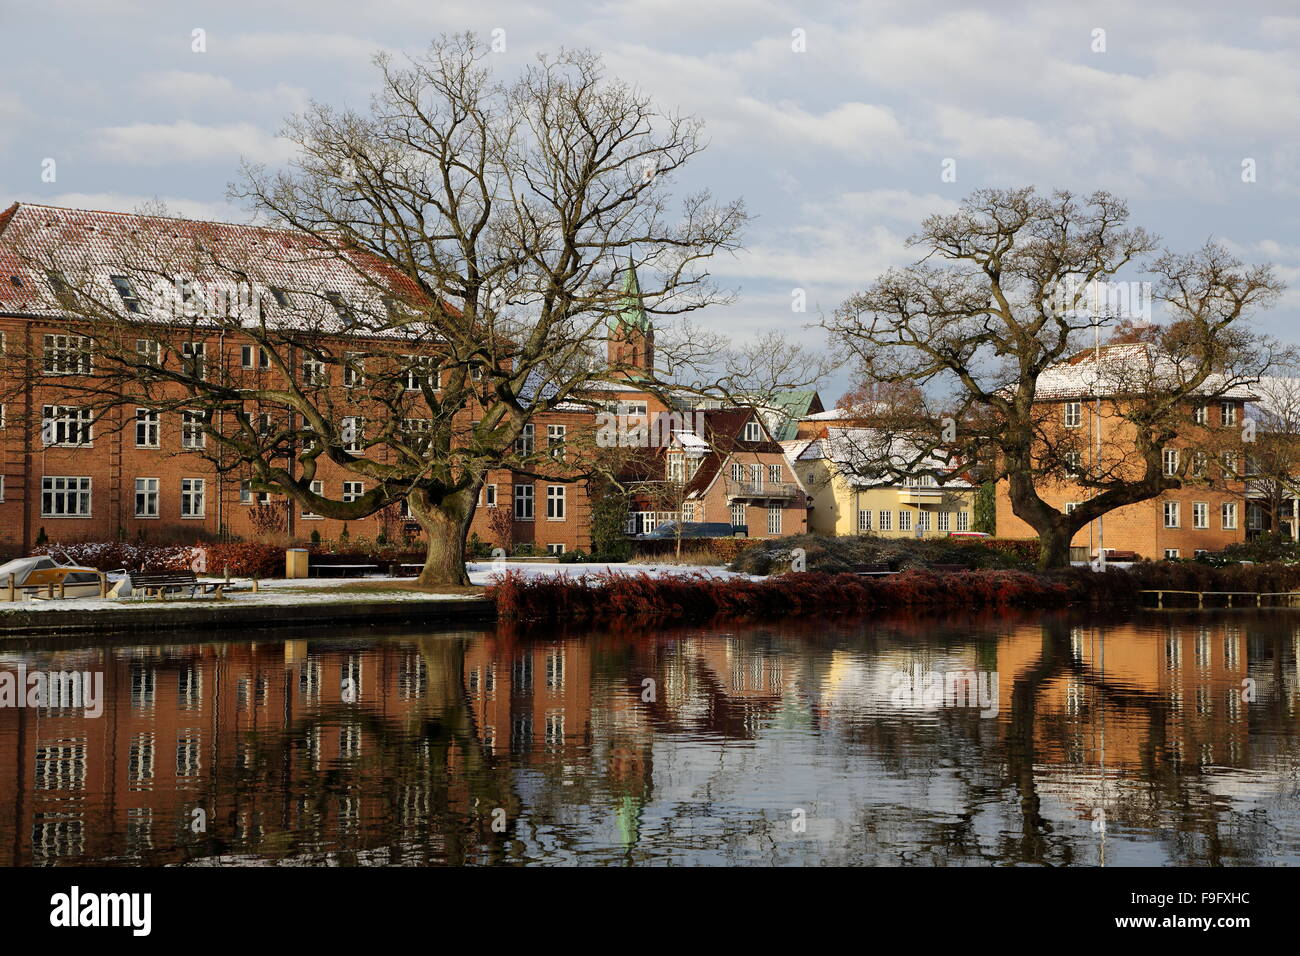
(304, 602)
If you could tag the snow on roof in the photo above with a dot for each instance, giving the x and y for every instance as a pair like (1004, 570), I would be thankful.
(1124, 369)
(864, 456)
(153, 252)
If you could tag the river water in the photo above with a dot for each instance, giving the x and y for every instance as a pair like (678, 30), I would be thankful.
(1167, 738)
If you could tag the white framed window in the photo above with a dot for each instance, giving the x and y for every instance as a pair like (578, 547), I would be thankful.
(254, 356)
(753, 431)
(2, 487)
(1228, 413)
(1254, 516)
(886, 520)
(146, 428)
(353, 435)
(523, 502)
(525, 442)
(1200, 514)
(756, 475)
(354, 369)
(194, 503)
(66, 355)
(149, 352)
(864, 520)
(146, 497)
(247, 496)
(67, 426)
(1200, 464)
(1201, 413)
(192, 435)
(738, 516)
(905, 521)
(1171, 461)
(313, 372)
(923, 521)
(317, 488)
(945, 521)
(774, 519)
(194, 361)
(737, 471)
(1171, 554)
(555, 438)
(352, 490)
(963, 520)
(1073, 414)
(774, 474)
(1070, 506)
(65, 497)
(554, 549)
(1228, 515)
(419, 369)
(1171, 514)
(1229, 464)
(555, 502)
(489, 496)
(676, 468)
(1074, 462)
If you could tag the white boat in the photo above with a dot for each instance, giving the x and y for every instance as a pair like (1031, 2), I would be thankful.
(41, 576)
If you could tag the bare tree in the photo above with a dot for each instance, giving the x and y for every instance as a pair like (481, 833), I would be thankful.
(489, 231)
(1000, 303)
(1273, 455)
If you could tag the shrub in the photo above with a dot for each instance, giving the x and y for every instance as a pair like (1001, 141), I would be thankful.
(112, 555)
(615, 595)
(246, 559)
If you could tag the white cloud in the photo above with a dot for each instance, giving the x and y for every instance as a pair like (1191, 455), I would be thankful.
(158, 144)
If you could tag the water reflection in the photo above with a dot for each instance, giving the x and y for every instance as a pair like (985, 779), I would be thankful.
(1169, 739)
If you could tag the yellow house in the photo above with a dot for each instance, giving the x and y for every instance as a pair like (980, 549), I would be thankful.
(845, 474)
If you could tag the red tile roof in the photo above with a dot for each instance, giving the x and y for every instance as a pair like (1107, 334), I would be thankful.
(88, 246)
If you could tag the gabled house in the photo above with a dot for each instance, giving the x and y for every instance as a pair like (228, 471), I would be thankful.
(852, 477)
(725, 468)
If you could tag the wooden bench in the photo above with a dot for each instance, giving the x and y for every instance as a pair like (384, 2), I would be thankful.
(364, 568)
(158, 584)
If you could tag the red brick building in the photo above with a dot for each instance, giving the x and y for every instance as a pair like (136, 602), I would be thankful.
(68, 474)
(1207, 513)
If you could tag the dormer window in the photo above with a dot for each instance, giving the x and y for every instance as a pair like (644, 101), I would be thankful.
(129, 299)
(753, 431)
(280, 297)
(341, 308)
(62, 291)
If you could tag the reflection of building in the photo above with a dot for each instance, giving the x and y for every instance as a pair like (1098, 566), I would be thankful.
(1180, 693)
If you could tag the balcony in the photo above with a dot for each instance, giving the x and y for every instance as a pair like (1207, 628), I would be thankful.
(920, 495)
(768, 490)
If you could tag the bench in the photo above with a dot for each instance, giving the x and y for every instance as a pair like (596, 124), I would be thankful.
(160, 583)
(344, 568)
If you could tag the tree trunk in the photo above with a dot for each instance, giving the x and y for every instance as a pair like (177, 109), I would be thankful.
(446, 525)
(1054, 542)
(1055, 532)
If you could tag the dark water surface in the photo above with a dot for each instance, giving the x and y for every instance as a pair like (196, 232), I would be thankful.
(1041, 739)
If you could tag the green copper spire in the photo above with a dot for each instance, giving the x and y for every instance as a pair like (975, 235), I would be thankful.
(631, 313)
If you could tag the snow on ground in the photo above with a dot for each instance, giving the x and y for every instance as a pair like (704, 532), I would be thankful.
(289, 593)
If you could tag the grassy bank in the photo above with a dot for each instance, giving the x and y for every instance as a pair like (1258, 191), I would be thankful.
(606, 597)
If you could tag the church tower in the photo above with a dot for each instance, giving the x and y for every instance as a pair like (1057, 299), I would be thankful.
(631, 340)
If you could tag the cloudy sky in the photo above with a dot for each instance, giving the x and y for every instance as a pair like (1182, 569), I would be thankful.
(838, 147)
